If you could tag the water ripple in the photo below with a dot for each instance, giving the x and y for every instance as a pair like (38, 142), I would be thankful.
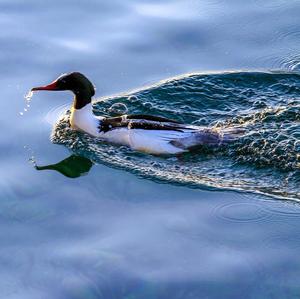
(266, 159)
(242, 212)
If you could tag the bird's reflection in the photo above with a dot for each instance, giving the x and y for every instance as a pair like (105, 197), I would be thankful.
(71, 167)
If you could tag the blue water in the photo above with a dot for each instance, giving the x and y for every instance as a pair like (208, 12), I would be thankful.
(263, 107)
(214, 224)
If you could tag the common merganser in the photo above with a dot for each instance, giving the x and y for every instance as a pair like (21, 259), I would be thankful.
(145, 133)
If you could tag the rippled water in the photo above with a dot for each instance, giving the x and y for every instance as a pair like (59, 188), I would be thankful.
(117, 232)
(266, 106)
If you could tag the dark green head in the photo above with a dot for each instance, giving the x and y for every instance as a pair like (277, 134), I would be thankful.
(76, 82)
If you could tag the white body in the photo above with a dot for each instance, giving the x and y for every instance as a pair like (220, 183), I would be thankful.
(149, 141)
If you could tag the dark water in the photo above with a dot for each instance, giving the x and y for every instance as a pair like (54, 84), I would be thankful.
(139, 226)
(264, 106)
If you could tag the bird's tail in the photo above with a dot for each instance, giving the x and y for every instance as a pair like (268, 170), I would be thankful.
(227, 135)
(209, 137)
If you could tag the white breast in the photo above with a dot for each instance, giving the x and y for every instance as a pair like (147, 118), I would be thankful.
(84, 120)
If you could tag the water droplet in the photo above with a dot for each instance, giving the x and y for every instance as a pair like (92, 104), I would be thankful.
(29, 95)
(118, 108)
(133, 98)
(27, 98)
(148, 105)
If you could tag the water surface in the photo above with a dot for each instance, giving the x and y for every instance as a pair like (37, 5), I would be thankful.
(121, 233)
(265, 107)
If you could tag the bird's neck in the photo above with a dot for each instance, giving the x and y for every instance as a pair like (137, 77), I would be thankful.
(84, 120)
(81, 99)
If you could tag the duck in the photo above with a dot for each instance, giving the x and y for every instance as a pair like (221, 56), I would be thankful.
(150, 134)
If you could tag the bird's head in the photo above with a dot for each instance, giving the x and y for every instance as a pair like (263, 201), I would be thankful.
(76, 82)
